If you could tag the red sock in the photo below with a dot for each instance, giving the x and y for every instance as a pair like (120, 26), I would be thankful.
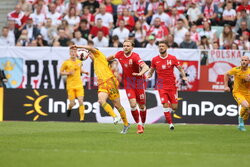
(143, 116)
(168, 117)
(135, 114)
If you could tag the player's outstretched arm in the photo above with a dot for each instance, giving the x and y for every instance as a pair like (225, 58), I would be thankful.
(144, 69)
(109, 58)
(89, 48)
(226, 78)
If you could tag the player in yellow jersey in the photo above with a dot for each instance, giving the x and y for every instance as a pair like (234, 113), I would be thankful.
(241, 89)
(72, 68)
(107, 86)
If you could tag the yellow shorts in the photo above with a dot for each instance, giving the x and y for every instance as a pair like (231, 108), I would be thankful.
(111, 87)
(73, 93)
(239, 97)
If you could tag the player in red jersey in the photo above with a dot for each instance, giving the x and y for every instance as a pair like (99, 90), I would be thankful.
(164, 65)
(134, 69)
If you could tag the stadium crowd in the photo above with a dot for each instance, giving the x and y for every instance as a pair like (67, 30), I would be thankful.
(204, 24)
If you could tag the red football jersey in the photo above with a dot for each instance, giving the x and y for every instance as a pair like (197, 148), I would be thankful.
(165, 70)
(130, 64)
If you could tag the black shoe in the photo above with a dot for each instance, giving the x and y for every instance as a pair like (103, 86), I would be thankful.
(68, 113)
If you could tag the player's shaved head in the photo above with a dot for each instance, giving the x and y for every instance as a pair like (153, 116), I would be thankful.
(244, 61)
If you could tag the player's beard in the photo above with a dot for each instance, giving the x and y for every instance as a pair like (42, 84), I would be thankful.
(163, 52)
(127, 53)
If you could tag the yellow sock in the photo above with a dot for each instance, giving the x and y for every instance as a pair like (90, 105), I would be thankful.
(244, 114)
(81, 112)
(123, 116)
(108, 109)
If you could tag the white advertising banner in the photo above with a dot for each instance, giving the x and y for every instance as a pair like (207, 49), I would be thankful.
(38, 67)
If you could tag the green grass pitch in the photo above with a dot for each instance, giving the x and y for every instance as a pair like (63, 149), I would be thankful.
(50, 144)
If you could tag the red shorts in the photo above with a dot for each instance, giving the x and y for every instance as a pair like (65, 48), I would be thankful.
(168, 96)
(138, 94)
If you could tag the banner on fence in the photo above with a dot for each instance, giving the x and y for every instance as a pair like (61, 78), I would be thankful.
(50, 105)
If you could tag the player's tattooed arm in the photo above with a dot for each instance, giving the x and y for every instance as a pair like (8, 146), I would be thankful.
(183, 74)
(89, 48)
(226, 79)
(110, 58)
(144, 69)
(150, 73)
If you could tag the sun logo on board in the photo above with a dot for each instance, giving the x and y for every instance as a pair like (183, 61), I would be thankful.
(36, 107)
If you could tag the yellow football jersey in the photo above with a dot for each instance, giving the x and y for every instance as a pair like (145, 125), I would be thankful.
(101, 67)
(240, 83)
(74, 80)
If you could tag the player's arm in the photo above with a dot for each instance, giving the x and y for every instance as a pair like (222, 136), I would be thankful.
(183, 74)
(144, 69)
(89, 48)
(226, 79)
(110, 58)
(150, 72)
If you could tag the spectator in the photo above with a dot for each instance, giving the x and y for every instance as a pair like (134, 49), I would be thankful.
(4, 39)
(45, 9)
(68, 29)
(226, 37)
(110, 8)
(188, 43)
(38, 17)
(179, 5)
(33, 43)
(88, 16)
(155, 4)
(100, 40)
(244, 5)
(17, 15)
(33, 31)
(25, 7)
(40, 41)
(93, 6)
(235, 46)
(60, 8)
(23, 40)
(229, 14)
(170, 4)
(243, 17)
(129, 20)
(179, 32)
(151, 43)
(210, 11)
(99, 27)
(78, 40)
(208, 32)
(90, 43)
(165, 19)
(140, 34)
(107, 18)
(72, 18)
(48, 32)
(158, 30)
(53, 15)
(245, 41)
(63, 37)
(216, 45)
(170, 41)
(122, 32)
(142, 10)
(122, 6)
(194, 34)
(74, 4)
(14, 33)
(175, 16)
(194, 14)
(115, 42)
(132, 38)
(83, 28)
(243, 27)
(204, 43)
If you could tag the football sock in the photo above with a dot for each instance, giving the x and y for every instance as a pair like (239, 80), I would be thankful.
(135, 114)
(167, 113)
(243, 115)
(81, 112)
(108, 109)
(123, 116)
(143, 114)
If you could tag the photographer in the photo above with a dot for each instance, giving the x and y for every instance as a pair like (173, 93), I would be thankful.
(3, 78)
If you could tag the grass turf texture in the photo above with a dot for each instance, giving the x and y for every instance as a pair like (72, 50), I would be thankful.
(64, 144)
